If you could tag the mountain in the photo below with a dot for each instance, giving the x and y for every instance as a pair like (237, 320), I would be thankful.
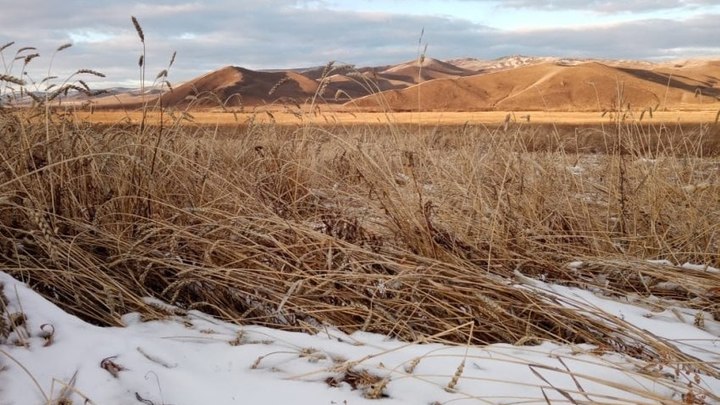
(508, 62)
(230, 86)
(468, 84)
(234, 86)
(430, 69)
(556, 86)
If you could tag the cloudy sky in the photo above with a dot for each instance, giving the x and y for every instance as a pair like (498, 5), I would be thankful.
(263, 34)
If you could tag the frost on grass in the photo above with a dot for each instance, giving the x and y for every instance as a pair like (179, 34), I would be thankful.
(190, 358)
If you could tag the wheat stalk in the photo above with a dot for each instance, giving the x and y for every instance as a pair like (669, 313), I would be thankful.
(138, 29)
(142, 62)
(7, 45)
(11, 79)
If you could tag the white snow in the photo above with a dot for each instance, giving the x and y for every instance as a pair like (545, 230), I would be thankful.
(195, 359)
(700, 267)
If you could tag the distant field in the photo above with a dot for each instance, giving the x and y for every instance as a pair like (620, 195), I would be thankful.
(426, 118)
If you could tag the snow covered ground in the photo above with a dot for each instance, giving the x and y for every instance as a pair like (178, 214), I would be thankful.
(50, 356)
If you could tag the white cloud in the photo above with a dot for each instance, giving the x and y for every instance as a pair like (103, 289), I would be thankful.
(605, 6)
(90, 36)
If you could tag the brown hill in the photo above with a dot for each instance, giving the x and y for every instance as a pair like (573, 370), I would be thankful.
(317, 73)
(430, 69)
(515, 83)
(236, 86)
(349, 81)
(548, 86)
(358, 84)
(230, 86)
(494, 65)
(698, 74)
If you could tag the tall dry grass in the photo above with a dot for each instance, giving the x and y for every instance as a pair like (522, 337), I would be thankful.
(369, 228)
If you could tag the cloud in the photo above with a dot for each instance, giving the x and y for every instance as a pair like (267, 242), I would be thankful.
(606, 6)
(645, 39)
(285, 33)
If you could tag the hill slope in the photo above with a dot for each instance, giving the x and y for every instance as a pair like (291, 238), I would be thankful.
(550, 86)
(430, 69)
(236, 86)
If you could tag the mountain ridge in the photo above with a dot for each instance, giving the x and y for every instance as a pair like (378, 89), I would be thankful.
(464, 84)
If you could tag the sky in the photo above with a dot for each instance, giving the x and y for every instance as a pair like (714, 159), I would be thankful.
(265, 34)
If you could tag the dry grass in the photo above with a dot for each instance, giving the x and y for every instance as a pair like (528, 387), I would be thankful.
(373, 228)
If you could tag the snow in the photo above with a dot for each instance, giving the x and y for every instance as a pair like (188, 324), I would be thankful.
(195, 359)
(699, 267)
(670, 325)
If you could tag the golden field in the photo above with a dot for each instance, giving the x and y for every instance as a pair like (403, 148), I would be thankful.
(283, 117)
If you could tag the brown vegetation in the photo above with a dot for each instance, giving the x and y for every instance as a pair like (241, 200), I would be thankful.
(365, 228)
